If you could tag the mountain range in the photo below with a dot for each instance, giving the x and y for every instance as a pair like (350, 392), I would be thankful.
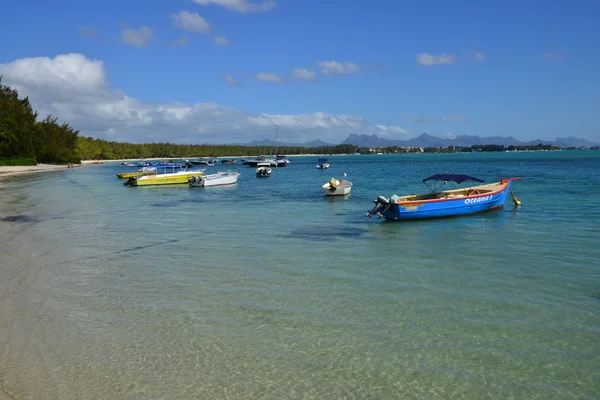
(426, 140)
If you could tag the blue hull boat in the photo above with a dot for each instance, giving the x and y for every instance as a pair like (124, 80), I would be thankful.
(445, 203)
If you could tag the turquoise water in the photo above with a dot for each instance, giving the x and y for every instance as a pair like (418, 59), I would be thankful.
(267, 290)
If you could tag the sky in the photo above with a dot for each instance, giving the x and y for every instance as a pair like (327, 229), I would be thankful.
(233, 71)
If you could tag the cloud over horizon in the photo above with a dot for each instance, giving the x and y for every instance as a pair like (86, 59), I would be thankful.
(137, 37)
(241, 6)
(445, 118)
(429, 60)
(74, 88)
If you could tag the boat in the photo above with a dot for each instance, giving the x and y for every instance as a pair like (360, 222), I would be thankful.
(337, 187)
(263, 170)
(143, 171)
(202, 161)
(166, 165)
(232, 161)
(322, 163)
(220, 178)
(254, 161)
(282, 161)
(97, 162)
(172, 178)
(445, 203)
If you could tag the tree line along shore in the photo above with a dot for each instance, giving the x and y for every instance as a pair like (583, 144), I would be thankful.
(25, 141)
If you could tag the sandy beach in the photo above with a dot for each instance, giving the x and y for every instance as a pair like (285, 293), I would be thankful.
(28, 169)
(6, 171)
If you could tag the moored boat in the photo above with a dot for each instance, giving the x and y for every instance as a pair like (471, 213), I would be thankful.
(445, 203)
(263, 170)
(255, 161)
(337, 187)
(220, 178)
(322, 163)
(174, 178)
(282, 161)
(143, 171)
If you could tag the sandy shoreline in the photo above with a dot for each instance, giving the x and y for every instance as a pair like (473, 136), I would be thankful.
(28, 169)
(6, 171)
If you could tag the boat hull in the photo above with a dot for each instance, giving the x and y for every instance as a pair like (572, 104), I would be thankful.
(448, 207)
(343, 189)
(221, 178)
(263, 172)
(176, 178)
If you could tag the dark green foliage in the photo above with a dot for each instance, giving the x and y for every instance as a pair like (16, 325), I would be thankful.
(11, 162)
(91, 149)
(22, 137)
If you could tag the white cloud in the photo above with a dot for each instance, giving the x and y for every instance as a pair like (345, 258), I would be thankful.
(445, 118)
(241, 6)
(303, 74)
(338, 68)
(74, 88)
(479, 56)
(221, 41)
(550, 56)
(189, 21)
(392, 130)
(430, 60)
(268, 77)
(87, 30)
(182, 41)
(137, 37)
(231, 80)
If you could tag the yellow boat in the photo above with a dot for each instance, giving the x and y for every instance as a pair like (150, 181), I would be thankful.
(174, 178)
(141, 172)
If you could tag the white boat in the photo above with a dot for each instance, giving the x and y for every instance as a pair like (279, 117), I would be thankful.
(220, 178)
(282, 161)
(263, 170)
(337, 187)
(255, 161)
(323, 163)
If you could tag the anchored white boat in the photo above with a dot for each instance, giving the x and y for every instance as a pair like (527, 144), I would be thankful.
(337, 187)
(323, 163)
(263, 170)
(220, 178)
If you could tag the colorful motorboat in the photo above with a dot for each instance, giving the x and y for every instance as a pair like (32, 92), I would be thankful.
(440, 203)
(173, 178)
(220, 178)
(337, 187)
(143, 171)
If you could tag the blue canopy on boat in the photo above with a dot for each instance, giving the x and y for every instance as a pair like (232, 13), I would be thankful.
(322, 160)
(452, 177)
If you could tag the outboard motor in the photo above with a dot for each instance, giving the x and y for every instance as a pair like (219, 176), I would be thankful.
(129, 181)
(382, 203)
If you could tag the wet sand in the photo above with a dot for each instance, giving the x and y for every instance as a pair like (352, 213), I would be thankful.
(28, 169)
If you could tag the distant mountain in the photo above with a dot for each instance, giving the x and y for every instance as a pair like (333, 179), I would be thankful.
(269, 142)
(426, 140)
(572, 141)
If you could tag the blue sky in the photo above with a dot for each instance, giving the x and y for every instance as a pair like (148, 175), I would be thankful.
(224, 71)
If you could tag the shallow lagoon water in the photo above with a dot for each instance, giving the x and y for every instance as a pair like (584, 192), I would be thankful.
(265, 289)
